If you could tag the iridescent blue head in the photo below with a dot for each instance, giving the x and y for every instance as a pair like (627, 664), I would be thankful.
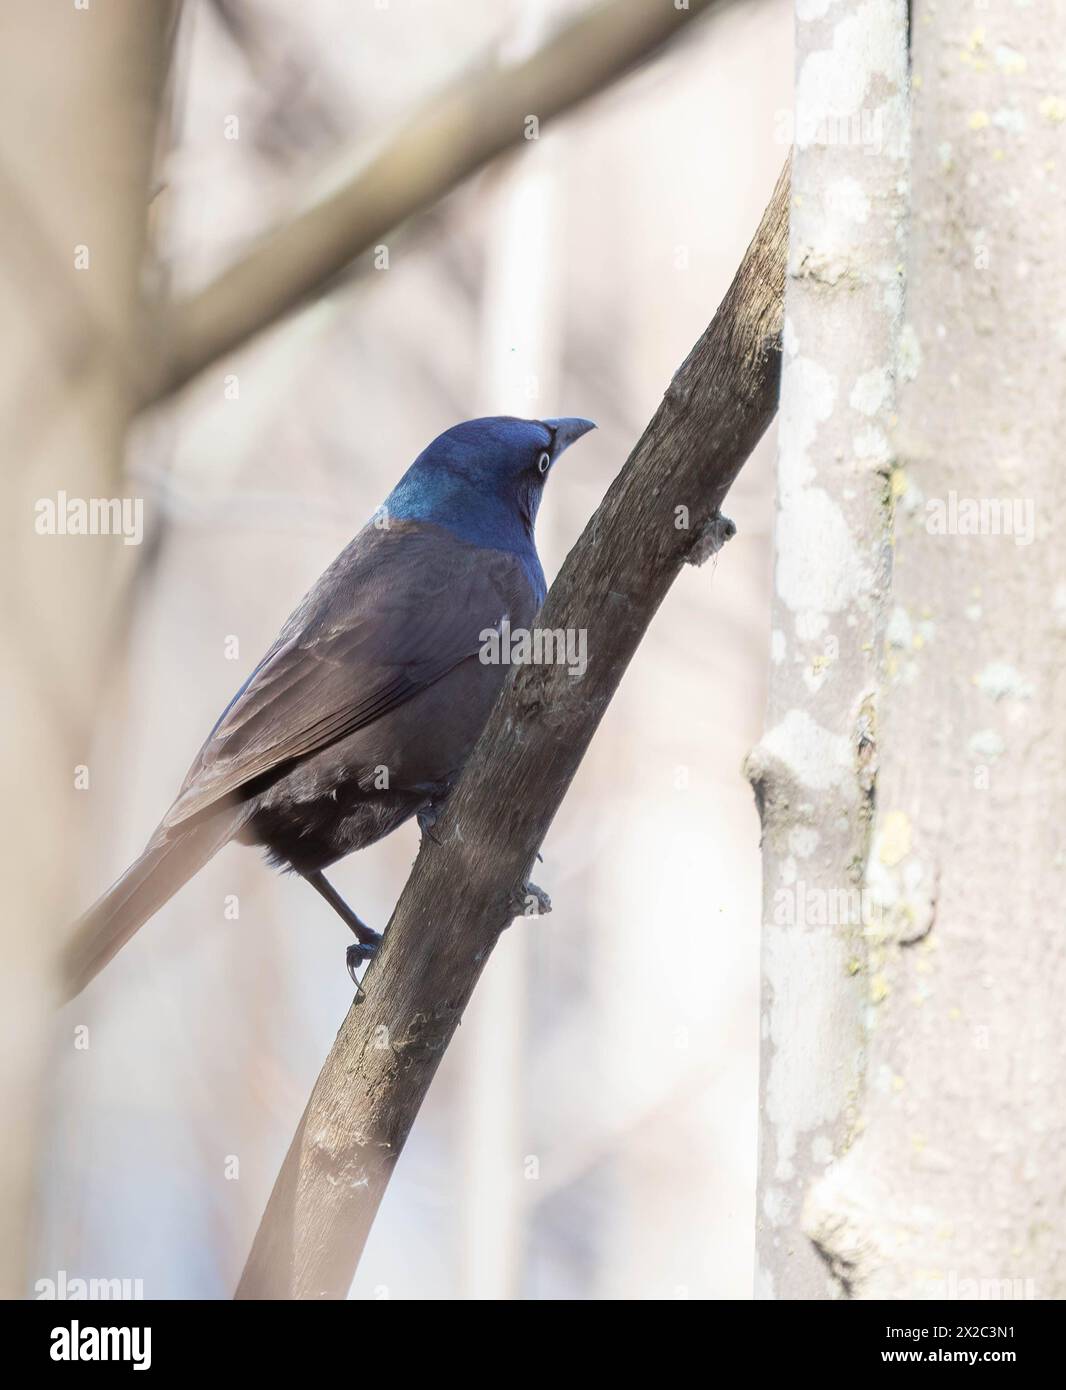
(483, 479)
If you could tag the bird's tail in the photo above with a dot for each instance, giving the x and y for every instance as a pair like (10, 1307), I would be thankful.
(170, 859)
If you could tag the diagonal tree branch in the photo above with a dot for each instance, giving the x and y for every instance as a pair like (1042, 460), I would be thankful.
(465, 888)
(470, 122)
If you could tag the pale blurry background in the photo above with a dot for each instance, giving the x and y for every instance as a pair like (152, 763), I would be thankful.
(591, 1133)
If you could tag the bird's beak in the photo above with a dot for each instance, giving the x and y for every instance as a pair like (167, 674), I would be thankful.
(566, 431)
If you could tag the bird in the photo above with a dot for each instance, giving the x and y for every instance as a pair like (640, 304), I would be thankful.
(364, 711)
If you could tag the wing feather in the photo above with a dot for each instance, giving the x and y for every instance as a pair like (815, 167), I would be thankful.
(396, 611)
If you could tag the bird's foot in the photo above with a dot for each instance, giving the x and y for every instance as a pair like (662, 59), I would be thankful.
(357, 954)
(530, 901)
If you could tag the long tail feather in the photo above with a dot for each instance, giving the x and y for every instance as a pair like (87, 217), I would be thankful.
(168, 862)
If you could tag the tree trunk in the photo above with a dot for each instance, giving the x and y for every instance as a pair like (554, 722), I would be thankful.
(813, 769)
(73, 207)
(955, 1187)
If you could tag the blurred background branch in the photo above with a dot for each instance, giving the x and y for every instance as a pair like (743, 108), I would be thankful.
(482, 113)
(81, 95)
(469, 882)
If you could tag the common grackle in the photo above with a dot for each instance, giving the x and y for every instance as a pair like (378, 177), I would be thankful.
(366, 707)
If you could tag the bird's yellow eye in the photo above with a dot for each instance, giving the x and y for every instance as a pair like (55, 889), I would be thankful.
(543, 463)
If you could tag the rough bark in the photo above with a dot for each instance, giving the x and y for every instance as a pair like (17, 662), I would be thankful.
(955, 1187)
(80, 93)
(813, 769)
(467, 887)
(477, 117)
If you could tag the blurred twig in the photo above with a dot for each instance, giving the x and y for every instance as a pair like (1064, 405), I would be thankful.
(292, 115)
(462, 890)
(481, 114)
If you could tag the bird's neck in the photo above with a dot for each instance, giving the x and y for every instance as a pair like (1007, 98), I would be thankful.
(495, 523)
(500, 523)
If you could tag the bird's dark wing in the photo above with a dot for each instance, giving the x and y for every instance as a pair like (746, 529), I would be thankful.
(396, 611)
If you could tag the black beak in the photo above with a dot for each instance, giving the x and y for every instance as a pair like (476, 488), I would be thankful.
(566, 431)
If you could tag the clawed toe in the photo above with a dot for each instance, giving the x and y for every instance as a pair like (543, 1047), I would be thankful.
(357, 954)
